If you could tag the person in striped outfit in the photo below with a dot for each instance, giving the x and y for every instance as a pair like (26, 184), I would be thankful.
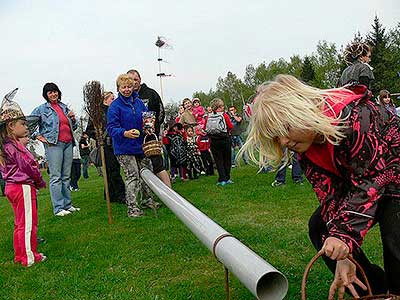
(21, 173)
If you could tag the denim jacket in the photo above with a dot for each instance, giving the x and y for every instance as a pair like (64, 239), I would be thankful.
(49, 123)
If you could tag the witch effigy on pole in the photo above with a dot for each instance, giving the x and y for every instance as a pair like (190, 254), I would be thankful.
(93, 98)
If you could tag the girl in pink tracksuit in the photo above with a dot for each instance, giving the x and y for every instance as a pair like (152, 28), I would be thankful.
(22, 176)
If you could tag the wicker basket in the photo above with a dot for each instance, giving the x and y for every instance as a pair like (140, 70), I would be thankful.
(153, 147)
(368, 297)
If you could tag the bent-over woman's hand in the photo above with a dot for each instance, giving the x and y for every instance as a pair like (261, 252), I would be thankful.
(345, 276)
(335, 249)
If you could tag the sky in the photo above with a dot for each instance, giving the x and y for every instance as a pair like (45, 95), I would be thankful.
(72, 42)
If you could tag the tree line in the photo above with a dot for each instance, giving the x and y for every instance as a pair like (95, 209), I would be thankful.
(321, 69)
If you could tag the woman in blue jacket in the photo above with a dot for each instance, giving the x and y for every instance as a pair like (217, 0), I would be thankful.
(124, 125)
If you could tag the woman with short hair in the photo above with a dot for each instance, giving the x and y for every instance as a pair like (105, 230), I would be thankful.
(125, 126)
(56, 126)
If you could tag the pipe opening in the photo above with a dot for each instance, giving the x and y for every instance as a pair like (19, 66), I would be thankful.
(271, 286)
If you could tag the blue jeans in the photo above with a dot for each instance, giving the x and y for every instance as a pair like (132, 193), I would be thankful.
(59, 158)
(297, 173)
(237, 141)
(85, 166)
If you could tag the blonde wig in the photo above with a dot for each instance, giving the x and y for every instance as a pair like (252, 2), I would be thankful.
(288, 103)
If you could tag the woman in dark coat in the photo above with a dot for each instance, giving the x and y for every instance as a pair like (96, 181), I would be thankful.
(116, 186)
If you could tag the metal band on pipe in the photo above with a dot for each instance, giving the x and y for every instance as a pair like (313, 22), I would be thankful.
(217, 241)
(259, 277)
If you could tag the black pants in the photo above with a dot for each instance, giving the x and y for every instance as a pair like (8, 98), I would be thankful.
(75, 173)
(192, 173)
(221, 150)
(388, 216)
(116, 185)
(207, 162)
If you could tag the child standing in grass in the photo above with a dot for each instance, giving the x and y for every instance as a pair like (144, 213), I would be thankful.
(218, 126)
(177, 150)
(203, 143)
(22, 176)
(194, 158)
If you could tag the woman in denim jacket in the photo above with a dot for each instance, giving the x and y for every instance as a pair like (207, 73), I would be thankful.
(56, 126)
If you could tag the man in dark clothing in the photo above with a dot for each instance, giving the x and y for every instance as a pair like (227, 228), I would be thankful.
(150, 98)
(84, 150)
(116, 185)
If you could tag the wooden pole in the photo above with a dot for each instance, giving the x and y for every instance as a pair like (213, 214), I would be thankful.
(104, 171)
(93, 97)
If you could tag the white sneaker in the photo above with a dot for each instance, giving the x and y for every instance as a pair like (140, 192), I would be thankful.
(42, 259)
(62, 213)
(73, 209)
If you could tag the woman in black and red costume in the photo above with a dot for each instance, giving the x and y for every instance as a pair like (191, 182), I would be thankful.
(349, 149)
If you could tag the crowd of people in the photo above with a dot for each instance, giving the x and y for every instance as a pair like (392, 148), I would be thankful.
(345, 141)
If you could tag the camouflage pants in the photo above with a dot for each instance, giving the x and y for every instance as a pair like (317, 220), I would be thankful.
(131, 166)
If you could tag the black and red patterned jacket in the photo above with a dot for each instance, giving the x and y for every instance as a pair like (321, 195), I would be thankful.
(350, 179)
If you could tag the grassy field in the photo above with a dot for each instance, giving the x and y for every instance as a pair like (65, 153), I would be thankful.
(150, 258)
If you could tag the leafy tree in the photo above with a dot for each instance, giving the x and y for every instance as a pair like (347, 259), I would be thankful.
(231, 89)
(261, 73)
(295, 66)
(380, 58)
(321, 69)
(377, 36)
(358, 38)
(326, 64)
(250, 77)
(392, 74)
(307, 71)
(275, 68)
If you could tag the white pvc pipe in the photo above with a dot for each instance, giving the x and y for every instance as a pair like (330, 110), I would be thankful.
(259, 277)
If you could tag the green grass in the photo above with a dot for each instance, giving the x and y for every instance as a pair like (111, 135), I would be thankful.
(150, 258)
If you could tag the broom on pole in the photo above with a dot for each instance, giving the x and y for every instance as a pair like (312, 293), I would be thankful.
(93, 98)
